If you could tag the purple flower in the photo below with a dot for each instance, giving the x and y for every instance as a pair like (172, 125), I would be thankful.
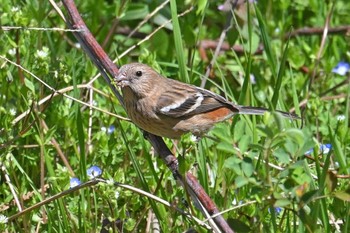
(342, 68)
(94, 172)
(74, 182)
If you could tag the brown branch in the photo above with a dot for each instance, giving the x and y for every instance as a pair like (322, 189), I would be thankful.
(190, 182)
(105, 65)
(319, 31)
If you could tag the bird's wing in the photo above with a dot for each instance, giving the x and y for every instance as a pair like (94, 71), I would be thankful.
(186, 100)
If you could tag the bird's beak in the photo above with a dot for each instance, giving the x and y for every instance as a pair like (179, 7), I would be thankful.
(121, 79)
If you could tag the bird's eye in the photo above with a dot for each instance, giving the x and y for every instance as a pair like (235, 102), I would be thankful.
(138, 73)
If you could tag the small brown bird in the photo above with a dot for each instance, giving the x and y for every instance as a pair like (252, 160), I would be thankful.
(169, 108)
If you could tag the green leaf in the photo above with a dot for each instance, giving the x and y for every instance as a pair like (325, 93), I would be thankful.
(280, 75)
(240, 181)
(130, 224)
(267, 42)
(282, 202)
(160, 20)
(239, 130)
(238, 226)
(233, 163)
(331, 181)
(344, 196)
(282, 156)
(201, 6)
(179, 48)
(136, 11)
(244, 143)
(253, 44)
(29, 85)
(227, 147)
(247, 166)
(296, 58)
(296, 134)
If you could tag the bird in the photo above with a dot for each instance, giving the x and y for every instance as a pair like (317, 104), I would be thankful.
(170, 108)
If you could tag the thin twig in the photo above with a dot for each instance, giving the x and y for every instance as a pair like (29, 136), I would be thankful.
(61, 92)
(91, 101)
(52, 198)
(11, 186)
(319, 31)
(9, 28)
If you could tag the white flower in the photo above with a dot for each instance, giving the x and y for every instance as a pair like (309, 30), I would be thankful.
(78, 45)
(116, 195)
(3, 219)
(15, 9)
(13, 112)
(42, 53)
(193, 138)
(55, 74)
(336, 165)
(110, 181)
(103, 129)
(341, 118)
(12, 51)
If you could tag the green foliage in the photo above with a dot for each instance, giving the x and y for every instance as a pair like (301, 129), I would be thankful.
(262, 165)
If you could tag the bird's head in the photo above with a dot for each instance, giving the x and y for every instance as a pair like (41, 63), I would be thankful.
(138, 77)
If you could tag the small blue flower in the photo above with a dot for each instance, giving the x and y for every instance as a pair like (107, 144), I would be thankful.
(94, 172)
(277, 210)
(342, 68)
(74, 182)
(309, 152)
(111, 129)
(324, 149)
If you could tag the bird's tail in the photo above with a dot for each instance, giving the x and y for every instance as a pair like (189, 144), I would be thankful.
(260, 111)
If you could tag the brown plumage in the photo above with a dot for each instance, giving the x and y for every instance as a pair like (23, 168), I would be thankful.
(169, 108)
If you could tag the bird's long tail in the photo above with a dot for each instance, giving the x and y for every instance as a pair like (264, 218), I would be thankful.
(260, 111)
